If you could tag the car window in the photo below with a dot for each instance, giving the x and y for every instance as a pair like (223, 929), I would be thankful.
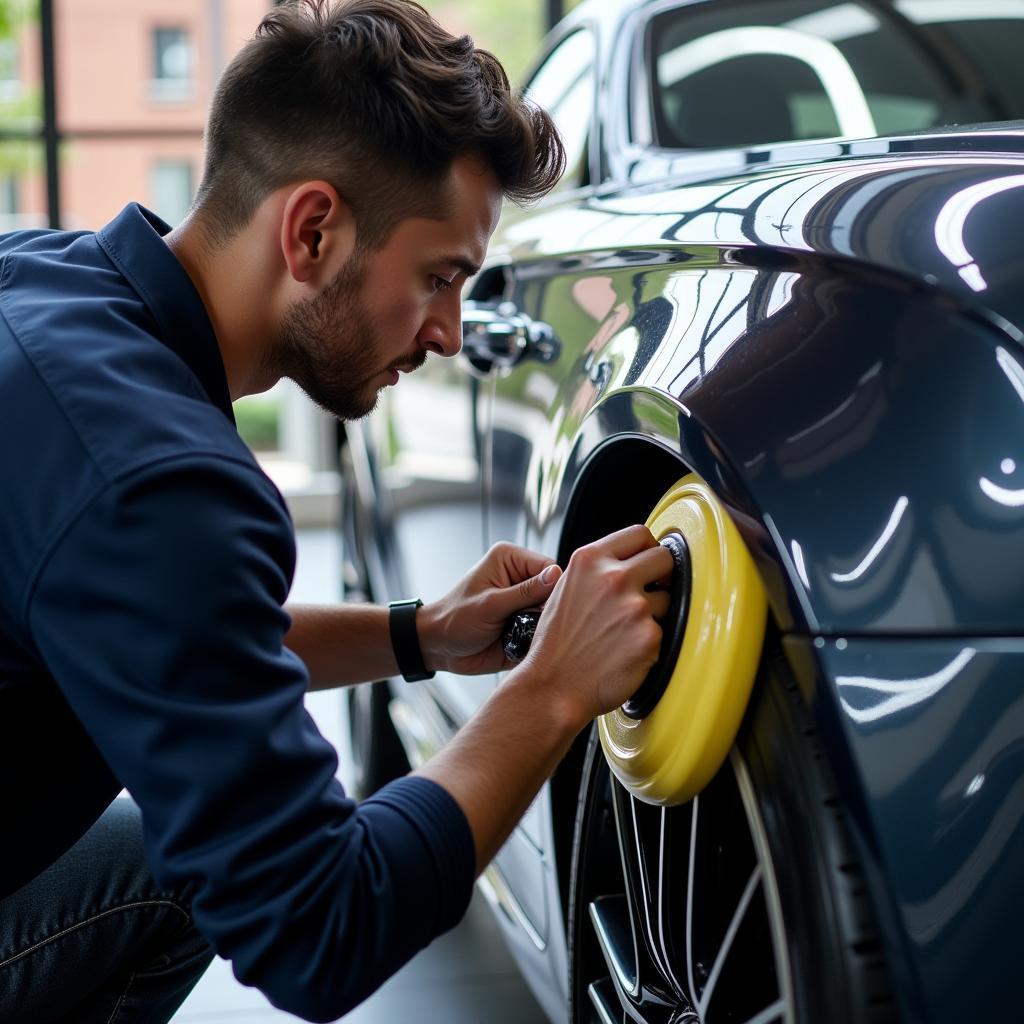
(764, 71)
(564, 86)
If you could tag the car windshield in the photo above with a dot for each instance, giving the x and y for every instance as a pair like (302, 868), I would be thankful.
(764, 71)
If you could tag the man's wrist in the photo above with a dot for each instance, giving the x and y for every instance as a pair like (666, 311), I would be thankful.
(562, 707)
(404, 629)
(429, 626)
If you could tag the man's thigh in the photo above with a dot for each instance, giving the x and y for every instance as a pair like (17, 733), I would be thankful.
(95, 938)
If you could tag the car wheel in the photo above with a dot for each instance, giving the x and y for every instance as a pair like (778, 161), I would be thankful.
(376, 751)
(744, 905)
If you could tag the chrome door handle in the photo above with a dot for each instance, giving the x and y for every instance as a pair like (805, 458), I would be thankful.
(497, 335)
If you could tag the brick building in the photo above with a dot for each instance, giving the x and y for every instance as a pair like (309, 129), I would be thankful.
(134, 79)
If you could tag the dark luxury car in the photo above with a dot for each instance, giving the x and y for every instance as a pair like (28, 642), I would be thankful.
(786, 263)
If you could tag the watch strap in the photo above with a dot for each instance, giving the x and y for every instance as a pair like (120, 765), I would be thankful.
(405, 641)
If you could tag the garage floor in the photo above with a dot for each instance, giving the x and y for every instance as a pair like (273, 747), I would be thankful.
(465, 977)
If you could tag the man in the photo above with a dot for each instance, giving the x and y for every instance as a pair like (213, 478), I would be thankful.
(356, 162)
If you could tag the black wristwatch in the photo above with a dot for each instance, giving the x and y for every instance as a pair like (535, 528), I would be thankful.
(405, 641)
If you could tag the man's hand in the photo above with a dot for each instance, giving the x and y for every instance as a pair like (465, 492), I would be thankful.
(462, 632)
(598, 637)
(595, 642)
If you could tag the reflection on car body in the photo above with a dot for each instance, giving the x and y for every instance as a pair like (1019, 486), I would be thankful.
(779, 261)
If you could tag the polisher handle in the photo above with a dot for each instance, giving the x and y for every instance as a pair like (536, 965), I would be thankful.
(518, 634)
(519, 629)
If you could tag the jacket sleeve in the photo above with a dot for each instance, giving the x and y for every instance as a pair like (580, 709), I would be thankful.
(159, 613)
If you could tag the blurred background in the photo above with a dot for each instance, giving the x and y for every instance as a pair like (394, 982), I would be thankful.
(103, 102)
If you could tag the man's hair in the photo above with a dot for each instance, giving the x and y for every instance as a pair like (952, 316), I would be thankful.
(374, 97)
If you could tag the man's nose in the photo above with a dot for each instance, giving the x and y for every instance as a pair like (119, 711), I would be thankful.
(453, 326)
(444, 334)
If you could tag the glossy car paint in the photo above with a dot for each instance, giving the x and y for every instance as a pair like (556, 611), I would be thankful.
(903, 462)
(880, 498)
(831, 338)
(931, 728)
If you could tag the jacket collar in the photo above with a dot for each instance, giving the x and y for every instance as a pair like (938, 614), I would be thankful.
(134, 241)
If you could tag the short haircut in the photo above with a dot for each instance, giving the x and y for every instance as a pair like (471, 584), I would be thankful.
(374, 97)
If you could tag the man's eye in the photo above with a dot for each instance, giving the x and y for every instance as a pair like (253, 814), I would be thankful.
(440, 284)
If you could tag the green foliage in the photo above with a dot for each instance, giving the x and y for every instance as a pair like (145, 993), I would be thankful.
(258, 421)
(16, 13)
(510, 29)
(21, 114)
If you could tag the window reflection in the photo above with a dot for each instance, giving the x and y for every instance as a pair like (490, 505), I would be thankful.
(879, 545)
(1013, 370)
(764, 71)
(880, 698)
(564, 87)
(1003, 495)
(1011, 497)
(684, 324)
(844, 110)
(844, 21)
(952, 218)
(800, 564)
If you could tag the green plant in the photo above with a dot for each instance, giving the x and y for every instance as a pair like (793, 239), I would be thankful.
(19, 157)
(258, 421)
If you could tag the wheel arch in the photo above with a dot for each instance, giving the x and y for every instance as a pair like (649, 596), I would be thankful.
(599, 505)
(614, 479)
(617, 483)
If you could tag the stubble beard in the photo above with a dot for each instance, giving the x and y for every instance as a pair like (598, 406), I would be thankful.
(328, 346)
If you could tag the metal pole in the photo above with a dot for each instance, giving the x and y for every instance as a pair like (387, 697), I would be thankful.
(51, 136)
(555, 12)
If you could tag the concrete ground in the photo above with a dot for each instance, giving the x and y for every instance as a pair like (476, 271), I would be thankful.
(465, 977)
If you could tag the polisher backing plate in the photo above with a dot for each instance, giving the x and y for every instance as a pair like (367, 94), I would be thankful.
(669, 756)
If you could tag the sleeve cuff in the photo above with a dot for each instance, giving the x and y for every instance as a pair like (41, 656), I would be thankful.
(433, 812)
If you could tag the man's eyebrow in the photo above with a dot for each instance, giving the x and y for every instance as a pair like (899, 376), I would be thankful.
(468, 267)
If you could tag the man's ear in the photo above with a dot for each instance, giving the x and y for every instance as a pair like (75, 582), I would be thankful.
(318, 233)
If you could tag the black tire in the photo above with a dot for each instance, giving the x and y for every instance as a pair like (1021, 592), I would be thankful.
(376, 751)
(659, 893)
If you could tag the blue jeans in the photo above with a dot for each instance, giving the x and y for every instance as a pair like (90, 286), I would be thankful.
(95, 939)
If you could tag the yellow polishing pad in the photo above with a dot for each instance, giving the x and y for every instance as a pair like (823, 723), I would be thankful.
(671, 754)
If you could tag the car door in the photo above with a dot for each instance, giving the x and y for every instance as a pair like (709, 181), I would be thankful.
(513, 409)
(427, 441)
(564, 84)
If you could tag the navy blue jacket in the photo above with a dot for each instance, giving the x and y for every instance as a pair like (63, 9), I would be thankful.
(144, 562)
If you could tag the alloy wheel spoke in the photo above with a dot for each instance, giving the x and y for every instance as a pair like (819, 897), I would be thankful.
(604, 999)
(673, 850)
(610, 917)
(642, 838)
(681, 918)
(730, 934)
(690, 871)
(771, 1013)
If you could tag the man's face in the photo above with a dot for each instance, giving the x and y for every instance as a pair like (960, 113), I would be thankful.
(387, 308)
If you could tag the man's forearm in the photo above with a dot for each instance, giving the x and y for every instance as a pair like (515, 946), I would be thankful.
(498, 761)
(341, 644)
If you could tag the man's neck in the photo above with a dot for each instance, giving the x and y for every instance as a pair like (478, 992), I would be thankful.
(236, 289)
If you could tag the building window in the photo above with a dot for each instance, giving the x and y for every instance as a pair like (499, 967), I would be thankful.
(10, 79)
(171, 188)
(172, 65)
